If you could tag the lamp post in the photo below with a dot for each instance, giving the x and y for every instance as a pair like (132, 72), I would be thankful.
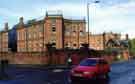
(88, 19)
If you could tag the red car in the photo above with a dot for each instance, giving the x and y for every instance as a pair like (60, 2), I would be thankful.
(90, 68)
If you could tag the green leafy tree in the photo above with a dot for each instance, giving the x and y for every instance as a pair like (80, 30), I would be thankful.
(132, 46)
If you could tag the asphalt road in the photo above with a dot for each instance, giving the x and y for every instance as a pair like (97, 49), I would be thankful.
(121, 73)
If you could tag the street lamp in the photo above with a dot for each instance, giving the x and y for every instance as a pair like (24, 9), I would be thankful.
(88, 18)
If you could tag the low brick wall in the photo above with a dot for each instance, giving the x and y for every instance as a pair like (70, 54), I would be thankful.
(55, 58)
(34, 58)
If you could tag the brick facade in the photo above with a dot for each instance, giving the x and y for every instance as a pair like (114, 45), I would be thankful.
(33, 37)
(4, 39)
(57, 30)
(75, 33)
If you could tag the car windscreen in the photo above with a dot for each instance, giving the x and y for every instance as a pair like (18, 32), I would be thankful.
(88, 62)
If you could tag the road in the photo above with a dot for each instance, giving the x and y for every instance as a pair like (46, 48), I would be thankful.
(121, 73)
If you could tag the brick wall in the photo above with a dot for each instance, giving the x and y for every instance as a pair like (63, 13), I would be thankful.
(56, 58)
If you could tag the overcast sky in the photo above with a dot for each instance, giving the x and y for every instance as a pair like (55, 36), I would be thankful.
(108, 15)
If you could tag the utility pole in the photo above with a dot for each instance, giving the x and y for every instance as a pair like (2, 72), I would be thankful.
(88, 19)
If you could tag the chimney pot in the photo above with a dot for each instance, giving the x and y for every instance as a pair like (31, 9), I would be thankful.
(126, 37)
(6, 26)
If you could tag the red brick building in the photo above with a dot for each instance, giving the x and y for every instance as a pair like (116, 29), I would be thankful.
(54, 29)
(59, 31)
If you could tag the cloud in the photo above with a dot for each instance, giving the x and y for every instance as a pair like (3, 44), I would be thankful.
(68, 9)
(116, 17)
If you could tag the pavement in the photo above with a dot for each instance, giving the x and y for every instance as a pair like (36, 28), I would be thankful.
(49, 67)
(44, 67)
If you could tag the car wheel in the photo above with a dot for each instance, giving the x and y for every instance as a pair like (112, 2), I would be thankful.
(73, 82)
(104, 76)
(107, 76)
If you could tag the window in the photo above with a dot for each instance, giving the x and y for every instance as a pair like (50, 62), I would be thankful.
(29, 35)
(19, 49)
(41, 28)
(34, 34)
(99, 41)
(81, 33)
(53, 42)
(74, 33)
(103, 62)
(81, 43)
(30, 49)
(74, 45)
(88, 62)
(22, 36)
(53, 29)
(23, 49)
(18, 36)
(74, 26)
(67, 31)
(53, 21)
(40, 45)
(30, 44)
(67, 45)
(40, 34)
(25, 34)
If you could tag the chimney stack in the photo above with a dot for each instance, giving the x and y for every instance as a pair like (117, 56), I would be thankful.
(116, 36)
(21, 23)
(6, 26)
(127, 38)
(46, 14)
(104, 39)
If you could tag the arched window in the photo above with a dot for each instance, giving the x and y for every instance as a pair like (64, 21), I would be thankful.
(67, 45)
(74, 46)
(53, 42)
(81, 33)
(74, 33)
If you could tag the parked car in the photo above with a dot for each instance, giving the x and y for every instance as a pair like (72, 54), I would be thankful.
(90, 68)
